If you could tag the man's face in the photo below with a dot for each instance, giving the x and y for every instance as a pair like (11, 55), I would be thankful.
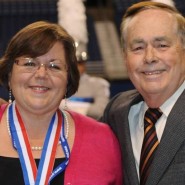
(154, 54)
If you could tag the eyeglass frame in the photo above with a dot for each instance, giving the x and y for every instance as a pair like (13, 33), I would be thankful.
(38, 64)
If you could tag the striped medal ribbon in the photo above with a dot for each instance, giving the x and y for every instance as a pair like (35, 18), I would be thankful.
(32, 175)
(61, 167)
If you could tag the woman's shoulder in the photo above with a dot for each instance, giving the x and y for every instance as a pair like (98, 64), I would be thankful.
(94, 141)
(92, 130)
(89, 126)
(86, 120)
(2, 109)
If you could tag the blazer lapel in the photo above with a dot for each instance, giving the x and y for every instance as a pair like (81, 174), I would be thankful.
(172, 139)
(126, 145)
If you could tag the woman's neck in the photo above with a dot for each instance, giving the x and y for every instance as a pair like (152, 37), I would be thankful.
(36, 125)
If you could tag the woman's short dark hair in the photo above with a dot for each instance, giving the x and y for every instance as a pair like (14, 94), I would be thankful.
(35, 40)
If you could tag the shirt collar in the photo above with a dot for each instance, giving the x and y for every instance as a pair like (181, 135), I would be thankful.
(169, 103)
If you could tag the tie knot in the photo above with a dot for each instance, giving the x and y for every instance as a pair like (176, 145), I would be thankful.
(152, 115)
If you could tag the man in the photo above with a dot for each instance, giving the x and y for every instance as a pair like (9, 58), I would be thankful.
(153, 38)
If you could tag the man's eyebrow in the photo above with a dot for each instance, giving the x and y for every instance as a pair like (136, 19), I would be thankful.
(162, 38)
(136, 41)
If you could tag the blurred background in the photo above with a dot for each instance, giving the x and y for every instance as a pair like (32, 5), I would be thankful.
(103, 19)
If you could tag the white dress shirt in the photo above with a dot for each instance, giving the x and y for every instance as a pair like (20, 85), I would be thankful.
(136, 124)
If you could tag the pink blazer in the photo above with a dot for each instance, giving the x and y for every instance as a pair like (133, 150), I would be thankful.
(95, 157)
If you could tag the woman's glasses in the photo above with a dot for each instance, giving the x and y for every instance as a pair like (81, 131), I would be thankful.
(31, 65)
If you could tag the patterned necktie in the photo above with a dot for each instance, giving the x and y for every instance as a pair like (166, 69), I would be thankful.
(150, 143)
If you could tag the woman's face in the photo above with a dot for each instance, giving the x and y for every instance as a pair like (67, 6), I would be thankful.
(40, 89)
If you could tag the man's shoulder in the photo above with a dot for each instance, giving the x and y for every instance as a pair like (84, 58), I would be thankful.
(124, 99)
(126, 95)
(119, 105)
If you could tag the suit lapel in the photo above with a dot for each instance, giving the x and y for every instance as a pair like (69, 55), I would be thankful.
(172, 139)
(126, 144)
(128, 157)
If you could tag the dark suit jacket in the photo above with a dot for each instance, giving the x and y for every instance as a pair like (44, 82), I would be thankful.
(168, 167)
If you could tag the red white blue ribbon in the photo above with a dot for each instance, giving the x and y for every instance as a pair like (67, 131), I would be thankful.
(42, 175)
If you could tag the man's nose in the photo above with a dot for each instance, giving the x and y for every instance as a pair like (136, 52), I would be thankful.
(150, 55)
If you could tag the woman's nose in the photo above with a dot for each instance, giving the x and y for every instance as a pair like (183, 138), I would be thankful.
(42, 70)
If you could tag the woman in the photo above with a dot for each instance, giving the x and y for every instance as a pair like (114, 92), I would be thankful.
(39, 144)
